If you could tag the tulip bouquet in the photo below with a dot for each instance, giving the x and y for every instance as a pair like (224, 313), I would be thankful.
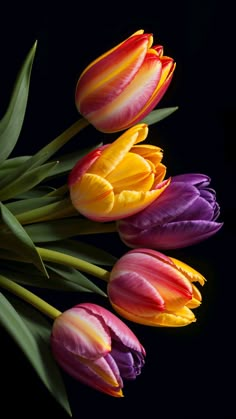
(115, 188)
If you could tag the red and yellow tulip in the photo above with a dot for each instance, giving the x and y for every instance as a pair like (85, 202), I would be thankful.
(153, 289)
(119, 88)
(95, 347)
(118, 179)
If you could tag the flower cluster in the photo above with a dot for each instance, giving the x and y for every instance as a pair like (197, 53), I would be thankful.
(119, 187)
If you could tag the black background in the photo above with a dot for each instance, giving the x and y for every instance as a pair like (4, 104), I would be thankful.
(189, 372)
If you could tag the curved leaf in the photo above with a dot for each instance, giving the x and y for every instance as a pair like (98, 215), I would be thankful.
(31, 332)
(11, 123)
(26, 181)
(14, 237)
(64, 229)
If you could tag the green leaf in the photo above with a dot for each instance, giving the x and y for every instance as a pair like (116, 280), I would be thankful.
(26, 181)
(63, 229)
(37, 192)
(9, 164)
(31, 332)
(44, 154)
(84, 251)
(17, 207)
(14, 237)
(72, 275)
(60, 278)
(11, 123)
(157, 115)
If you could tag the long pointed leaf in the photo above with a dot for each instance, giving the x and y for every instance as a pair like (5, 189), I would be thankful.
(11, 123)
(26, 181)
(31, 332)
(15, 238)
(158, 114)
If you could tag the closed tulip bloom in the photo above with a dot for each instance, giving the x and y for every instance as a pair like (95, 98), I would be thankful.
(97, 348)
(118, 179)
(122, 86)
(150, 288)
(183, 215)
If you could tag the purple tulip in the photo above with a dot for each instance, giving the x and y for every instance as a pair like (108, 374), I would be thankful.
(183, 215)
(95, 347)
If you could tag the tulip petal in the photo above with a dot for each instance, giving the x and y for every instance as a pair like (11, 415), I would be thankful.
(113, 155)
(88, 372)
(130, 202)
(182, 317)
(149, 152)
(83, 165)
(92, 195)
(190, 273)
(103, 80)
(81, 334)
(162, 209)
(196, 179)
(130, 102)
(140, 176)
(196, 300)
(200, 209)
(117, 328)
(168, 236)
(131, 290)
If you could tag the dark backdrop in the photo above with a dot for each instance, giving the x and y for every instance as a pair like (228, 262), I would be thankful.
(190, 371)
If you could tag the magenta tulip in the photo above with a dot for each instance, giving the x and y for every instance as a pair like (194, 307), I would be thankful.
(97, 348)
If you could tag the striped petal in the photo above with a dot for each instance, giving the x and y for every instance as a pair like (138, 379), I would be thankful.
(123, 109)
(77, 332)
(190, 273)
(104, 79)
(116, 326)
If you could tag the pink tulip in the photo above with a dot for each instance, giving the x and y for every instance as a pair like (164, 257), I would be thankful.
(122, 86)
(150, 288)
(97, 348)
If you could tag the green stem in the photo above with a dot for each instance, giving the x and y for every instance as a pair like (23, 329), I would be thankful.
(29, 297)
(62, 190)
(64, 259)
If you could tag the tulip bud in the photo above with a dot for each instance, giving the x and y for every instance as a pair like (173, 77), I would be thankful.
(150, 288)
(184, 214)
(97, 348)
(122, 86)
(118, 179)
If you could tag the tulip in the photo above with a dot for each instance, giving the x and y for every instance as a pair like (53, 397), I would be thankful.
(118, 179)
(183, 215)
(95, 347)
(118, 89)
(150, 288)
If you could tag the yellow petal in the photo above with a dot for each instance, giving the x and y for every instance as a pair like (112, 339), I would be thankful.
(196, 300)
(149, 152)
(182, 317)
(130, 202)
(132, 173)
(92, 195)
(190, 273)
(112, 155)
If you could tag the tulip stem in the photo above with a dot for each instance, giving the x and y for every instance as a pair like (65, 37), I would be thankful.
(29, 297)
(64, 259)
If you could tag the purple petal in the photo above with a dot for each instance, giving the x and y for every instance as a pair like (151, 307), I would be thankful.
(173, 235)
(200, 209)
(196, 179)
(170, 204)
